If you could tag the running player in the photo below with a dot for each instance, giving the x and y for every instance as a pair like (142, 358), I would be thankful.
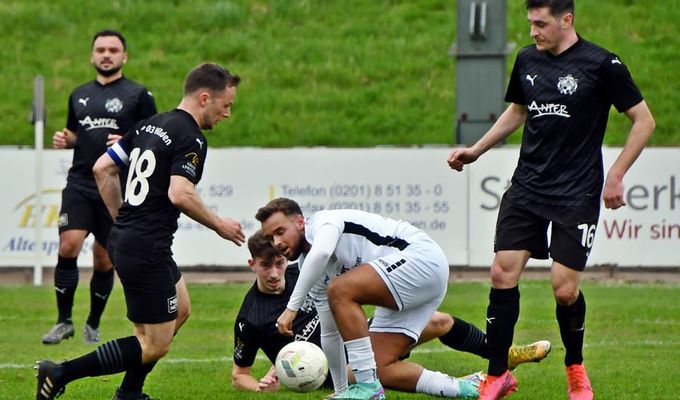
(561, 89)
(165, 155)
(99, 112)
(255, 328)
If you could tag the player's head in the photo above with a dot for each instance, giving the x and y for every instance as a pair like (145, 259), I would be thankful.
(284, 225)
(108, 52)
(267, 263)
(213, 89)
(552, 22)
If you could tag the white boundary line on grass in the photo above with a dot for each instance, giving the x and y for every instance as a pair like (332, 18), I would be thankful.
(654, 343)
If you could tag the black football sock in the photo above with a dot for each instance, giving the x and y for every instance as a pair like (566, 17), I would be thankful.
(101, 285)
(110, 358)
(501, 316)
(133, 382)
(65, 284)
(572, 329)
(464, 336)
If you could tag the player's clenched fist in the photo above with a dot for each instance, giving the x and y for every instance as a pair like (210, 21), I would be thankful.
(59, 140)
(460, 157)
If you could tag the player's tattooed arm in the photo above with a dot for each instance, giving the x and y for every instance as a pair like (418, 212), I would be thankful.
(106, 174)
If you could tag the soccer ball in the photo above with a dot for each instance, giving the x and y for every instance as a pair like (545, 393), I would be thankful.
(301, 366)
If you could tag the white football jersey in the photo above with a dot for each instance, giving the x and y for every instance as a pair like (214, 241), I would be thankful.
(364, 236)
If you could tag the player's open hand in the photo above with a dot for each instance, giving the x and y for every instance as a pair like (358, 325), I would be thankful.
(285, 322)
(269, 382)
(112, 138)
(461, 156)
(231, 230)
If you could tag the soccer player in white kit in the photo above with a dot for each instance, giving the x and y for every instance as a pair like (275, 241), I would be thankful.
(349, 258)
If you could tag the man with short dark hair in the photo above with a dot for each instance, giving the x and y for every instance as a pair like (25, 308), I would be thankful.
(99, 112)
(561, 89)
(254, 328)
(165, 155)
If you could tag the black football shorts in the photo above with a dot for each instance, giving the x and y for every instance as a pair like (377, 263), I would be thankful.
(84, 209)
(523, 225)
(148, 275)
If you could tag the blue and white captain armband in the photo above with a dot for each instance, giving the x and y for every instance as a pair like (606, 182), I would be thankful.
(118, 154)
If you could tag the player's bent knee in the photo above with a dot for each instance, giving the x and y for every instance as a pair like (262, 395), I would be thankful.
(154, 352)
(504, 276)
(337, 293)
(566, 295)
(498, 276)
(440, 322)
(69, 248)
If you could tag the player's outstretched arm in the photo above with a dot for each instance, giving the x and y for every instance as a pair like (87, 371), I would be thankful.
(509, 121)
(106, 173)
(64, 139)
(183, 195)
(640, 132)
(241, 379)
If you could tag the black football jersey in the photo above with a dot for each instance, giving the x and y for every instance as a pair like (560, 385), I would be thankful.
(568, 98)
(94, 112)
(254, 328)
(166, 144)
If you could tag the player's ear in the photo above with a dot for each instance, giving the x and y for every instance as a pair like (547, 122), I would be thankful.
(567, 20)
(125, 57)
(203, 97)
(251, 263)
(299, 221)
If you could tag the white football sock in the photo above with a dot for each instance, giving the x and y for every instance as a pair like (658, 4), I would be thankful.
(332, 345)
(362, 359)
(438, 384)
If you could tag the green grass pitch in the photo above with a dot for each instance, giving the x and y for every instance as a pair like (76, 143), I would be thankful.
(632, 343)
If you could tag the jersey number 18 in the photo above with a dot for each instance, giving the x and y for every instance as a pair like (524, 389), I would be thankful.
(141, 168)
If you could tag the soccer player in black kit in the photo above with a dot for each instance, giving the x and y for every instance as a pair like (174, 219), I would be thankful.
(561, 89)
(255, 327)
(99, 113)
(165, 155)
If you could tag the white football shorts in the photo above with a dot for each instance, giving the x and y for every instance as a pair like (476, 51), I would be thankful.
(418, 278)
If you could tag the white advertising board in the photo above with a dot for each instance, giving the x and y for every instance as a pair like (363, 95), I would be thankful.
(409, 184)
(457, 209)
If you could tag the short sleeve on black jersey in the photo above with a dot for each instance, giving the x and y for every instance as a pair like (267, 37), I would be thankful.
(246, 340)
(514, 93)
(189, 158)
(71, 119)
(619, 84)
(146, 106)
